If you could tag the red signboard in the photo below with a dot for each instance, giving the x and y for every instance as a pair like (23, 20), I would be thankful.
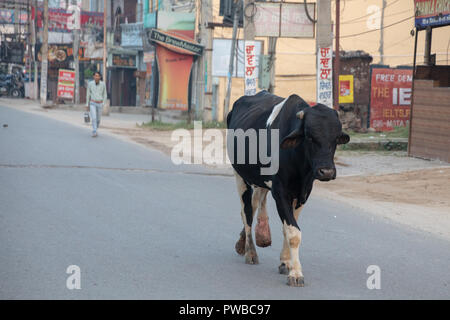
(58, 19)
(390, 98)
(66, 84)
(433, 13)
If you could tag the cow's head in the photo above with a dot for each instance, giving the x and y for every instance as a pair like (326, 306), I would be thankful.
(318, 132)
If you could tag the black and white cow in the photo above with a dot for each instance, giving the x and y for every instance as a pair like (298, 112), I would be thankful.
(307, 142)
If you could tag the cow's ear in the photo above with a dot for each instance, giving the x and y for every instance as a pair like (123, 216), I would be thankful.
(292, 139)
(343, 138)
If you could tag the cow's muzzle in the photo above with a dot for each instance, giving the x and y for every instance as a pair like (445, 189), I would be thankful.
(326, 174)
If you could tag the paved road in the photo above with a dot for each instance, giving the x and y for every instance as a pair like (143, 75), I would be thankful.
(140, 227)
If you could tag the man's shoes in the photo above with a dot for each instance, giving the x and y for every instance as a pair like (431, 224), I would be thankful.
(94, 134)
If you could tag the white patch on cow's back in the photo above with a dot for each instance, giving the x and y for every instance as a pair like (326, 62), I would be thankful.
(275, 111)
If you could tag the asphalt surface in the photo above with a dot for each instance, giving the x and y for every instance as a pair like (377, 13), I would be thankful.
(140, 227)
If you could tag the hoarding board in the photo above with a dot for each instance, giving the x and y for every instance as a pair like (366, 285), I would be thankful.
(346, 89)
(390, 98)
(221, 58)
(276, 19)
(325, 76)
(250, 68)
(433, 13)
(66, 84)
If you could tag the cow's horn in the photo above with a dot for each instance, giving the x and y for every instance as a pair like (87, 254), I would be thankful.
(300, 114)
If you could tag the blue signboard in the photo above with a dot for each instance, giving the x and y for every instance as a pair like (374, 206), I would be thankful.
(432, 13)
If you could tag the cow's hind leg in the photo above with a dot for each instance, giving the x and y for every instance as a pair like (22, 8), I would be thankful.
(285, 256)
(245, 194)
(262, 229)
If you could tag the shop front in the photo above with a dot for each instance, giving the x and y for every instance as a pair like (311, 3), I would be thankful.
(122, 67)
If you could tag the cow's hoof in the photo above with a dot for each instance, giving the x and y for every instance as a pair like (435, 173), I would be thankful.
(251, 259)
(262, 233)
(240, 244)
(295, 281)
(283, 269)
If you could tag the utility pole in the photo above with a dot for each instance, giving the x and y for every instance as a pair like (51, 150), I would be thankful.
(200, 70)
(105, 10)
(44, 54)
(204, 74)
(76, 47)
(427, 55)
(337, 56)
(271, 51)
(74, 23)
(249, 26)
(29, 42)
(105, 53)
(36, 95)
(324, 47)
(381, 48)
(226, 105)
(207, 39)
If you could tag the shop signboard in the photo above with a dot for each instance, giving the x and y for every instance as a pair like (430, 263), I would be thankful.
(390, 98)
(66, 84)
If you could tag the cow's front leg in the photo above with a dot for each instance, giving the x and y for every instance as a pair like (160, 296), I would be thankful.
(293, 237)
(285, 256)
(247, 211)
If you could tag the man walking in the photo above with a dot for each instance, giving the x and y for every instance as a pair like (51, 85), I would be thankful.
(95, 99)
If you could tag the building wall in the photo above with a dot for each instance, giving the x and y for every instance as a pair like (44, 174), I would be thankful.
(295, 58)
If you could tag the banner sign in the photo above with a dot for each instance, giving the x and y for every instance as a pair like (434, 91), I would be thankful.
(7, 17)
(275, 19)
(325, 76)
(132, 34)
(390, 98)
(175, 50)
(59, 19)
(433, 13)
(176, 44)
(221, 58)
(123, 60)
(345, 88)
(66, 84)
(149, 56)
(250, 68)
(174, 70)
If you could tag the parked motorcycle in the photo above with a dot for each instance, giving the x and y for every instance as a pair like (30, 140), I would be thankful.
(12, 85)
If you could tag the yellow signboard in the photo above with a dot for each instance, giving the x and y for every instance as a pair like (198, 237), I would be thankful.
(346, 89)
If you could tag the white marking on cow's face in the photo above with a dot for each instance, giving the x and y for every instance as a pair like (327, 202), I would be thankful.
(268, 184)
(275, 111)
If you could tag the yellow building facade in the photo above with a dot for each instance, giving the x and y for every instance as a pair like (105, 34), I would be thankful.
(363, 24)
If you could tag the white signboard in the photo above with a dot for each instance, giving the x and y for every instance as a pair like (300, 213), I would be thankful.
(284, 20)
(325, 76)
(132, 34)
(73, 21)
(221, 58)
(250, 68)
